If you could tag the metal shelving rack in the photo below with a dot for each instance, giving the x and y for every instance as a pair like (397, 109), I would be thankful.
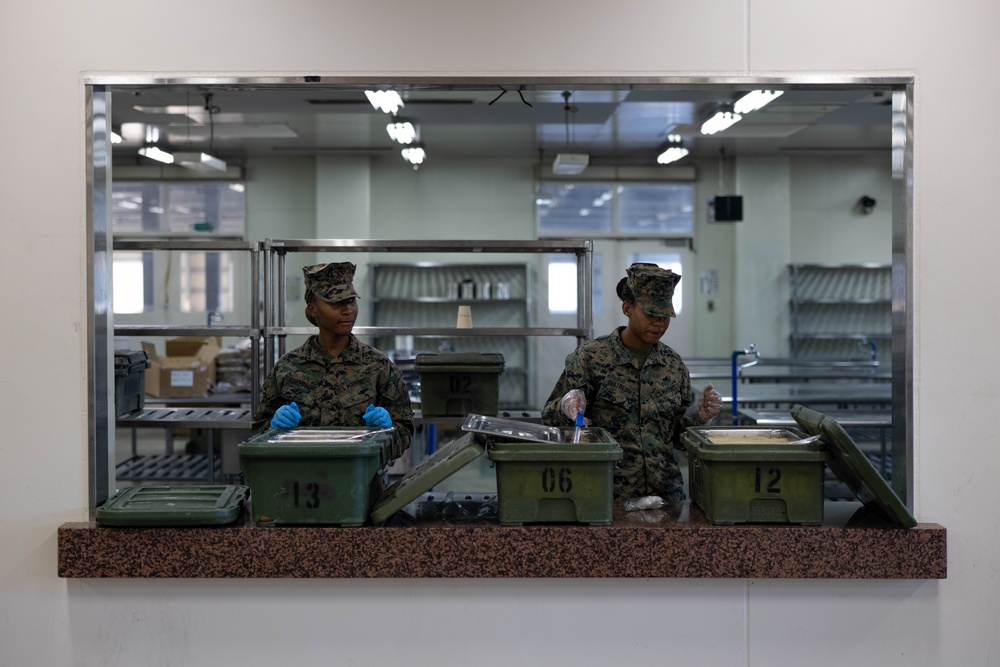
(180, 467)
(275, 252)
(841, 311)
(427, 294)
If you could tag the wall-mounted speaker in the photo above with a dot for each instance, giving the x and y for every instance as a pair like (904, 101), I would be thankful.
(725, 208)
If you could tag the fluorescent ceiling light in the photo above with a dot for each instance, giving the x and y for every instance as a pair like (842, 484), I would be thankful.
(570, 164)
(402, 131)
(672, 154)
(386, 101)
(414, 155)
(755, 99)
(155, 153)
(198, 161)
(720, 121)
(674, 151)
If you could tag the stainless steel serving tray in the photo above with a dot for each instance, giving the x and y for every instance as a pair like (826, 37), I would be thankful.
(748, 436)
(498, 427)
(305, 435)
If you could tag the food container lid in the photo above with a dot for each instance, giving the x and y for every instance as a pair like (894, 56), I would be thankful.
(174, 506)
(458, 362)
(129, 360)
(512, 429)
(444, 462)
(853, 468)
(320, 442)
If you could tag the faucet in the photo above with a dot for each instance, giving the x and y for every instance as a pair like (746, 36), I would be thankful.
(750, 350)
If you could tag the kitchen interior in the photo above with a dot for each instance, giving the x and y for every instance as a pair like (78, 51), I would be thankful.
(510, 202)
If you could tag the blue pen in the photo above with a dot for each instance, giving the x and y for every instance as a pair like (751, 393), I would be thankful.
(579, 425)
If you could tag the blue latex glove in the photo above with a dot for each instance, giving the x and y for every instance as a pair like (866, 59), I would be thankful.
(378, 417)
(286, 416)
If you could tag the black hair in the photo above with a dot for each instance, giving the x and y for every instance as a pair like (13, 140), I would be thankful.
(625, 292)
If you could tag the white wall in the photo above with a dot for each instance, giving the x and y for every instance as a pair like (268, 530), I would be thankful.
(47, 50)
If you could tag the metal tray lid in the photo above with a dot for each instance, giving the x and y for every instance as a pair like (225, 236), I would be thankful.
(459, 362)
(322, 442)
(174, 505)
(853, 468)
(512, 429)
(444, 462)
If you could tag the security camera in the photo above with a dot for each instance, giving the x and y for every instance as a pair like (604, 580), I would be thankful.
(867, 204)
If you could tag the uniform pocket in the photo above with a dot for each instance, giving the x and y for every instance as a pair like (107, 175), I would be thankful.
(356, 400)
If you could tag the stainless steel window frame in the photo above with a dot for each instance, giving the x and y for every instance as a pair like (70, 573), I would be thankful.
(98, 176)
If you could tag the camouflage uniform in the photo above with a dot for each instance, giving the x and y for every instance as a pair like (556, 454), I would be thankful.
(644, 409)
(336, 391)
(641, 408)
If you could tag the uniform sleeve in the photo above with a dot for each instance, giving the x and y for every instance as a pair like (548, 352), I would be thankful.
(394, 397)
(270, 401)
(577, 374)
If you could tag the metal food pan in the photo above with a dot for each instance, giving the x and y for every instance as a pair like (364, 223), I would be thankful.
(498, 427)
(748, 436)
(324, 435)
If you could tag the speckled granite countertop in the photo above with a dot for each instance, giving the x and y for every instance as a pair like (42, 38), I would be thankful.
(678, 542)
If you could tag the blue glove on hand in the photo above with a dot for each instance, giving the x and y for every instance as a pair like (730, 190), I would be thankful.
(378, 417)
(287, 416)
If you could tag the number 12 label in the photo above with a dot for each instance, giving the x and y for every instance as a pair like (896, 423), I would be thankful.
(773, 476)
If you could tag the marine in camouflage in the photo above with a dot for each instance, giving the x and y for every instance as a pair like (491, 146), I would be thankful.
(643, 409)
(336, 391)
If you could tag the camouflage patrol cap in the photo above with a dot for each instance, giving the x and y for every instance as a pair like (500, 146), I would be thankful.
(330, 282)
(653, 288)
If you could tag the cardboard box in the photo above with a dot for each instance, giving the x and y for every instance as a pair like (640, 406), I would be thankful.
(187, 369)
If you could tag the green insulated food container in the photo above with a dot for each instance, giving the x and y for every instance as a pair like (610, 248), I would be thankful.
(556, 482)
(316, 475)
(180, 505)
(458, 383)
(130, 381)
(742, 474)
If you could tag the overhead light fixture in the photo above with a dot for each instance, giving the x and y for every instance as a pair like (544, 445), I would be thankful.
(570, 164)
(386, 101)
(115, 137)
(755, 100)
(402, 131)
(415, 155)
(156, 153)
(198, 161)
(722, 120)
(675, 150)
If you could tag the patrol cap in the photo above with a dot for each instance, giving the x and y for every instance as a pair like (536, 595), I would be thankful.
(653, 288)
(331, 282)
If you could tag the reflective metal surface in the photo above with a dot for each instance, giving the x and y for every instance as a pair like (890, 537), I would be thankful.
(902, 294)
(511, 428)
(100, 340)
(299, 436)
(748, 436)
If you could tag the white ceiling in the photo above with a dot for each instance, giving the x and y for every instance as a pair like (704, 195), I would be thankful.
(615, 125)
